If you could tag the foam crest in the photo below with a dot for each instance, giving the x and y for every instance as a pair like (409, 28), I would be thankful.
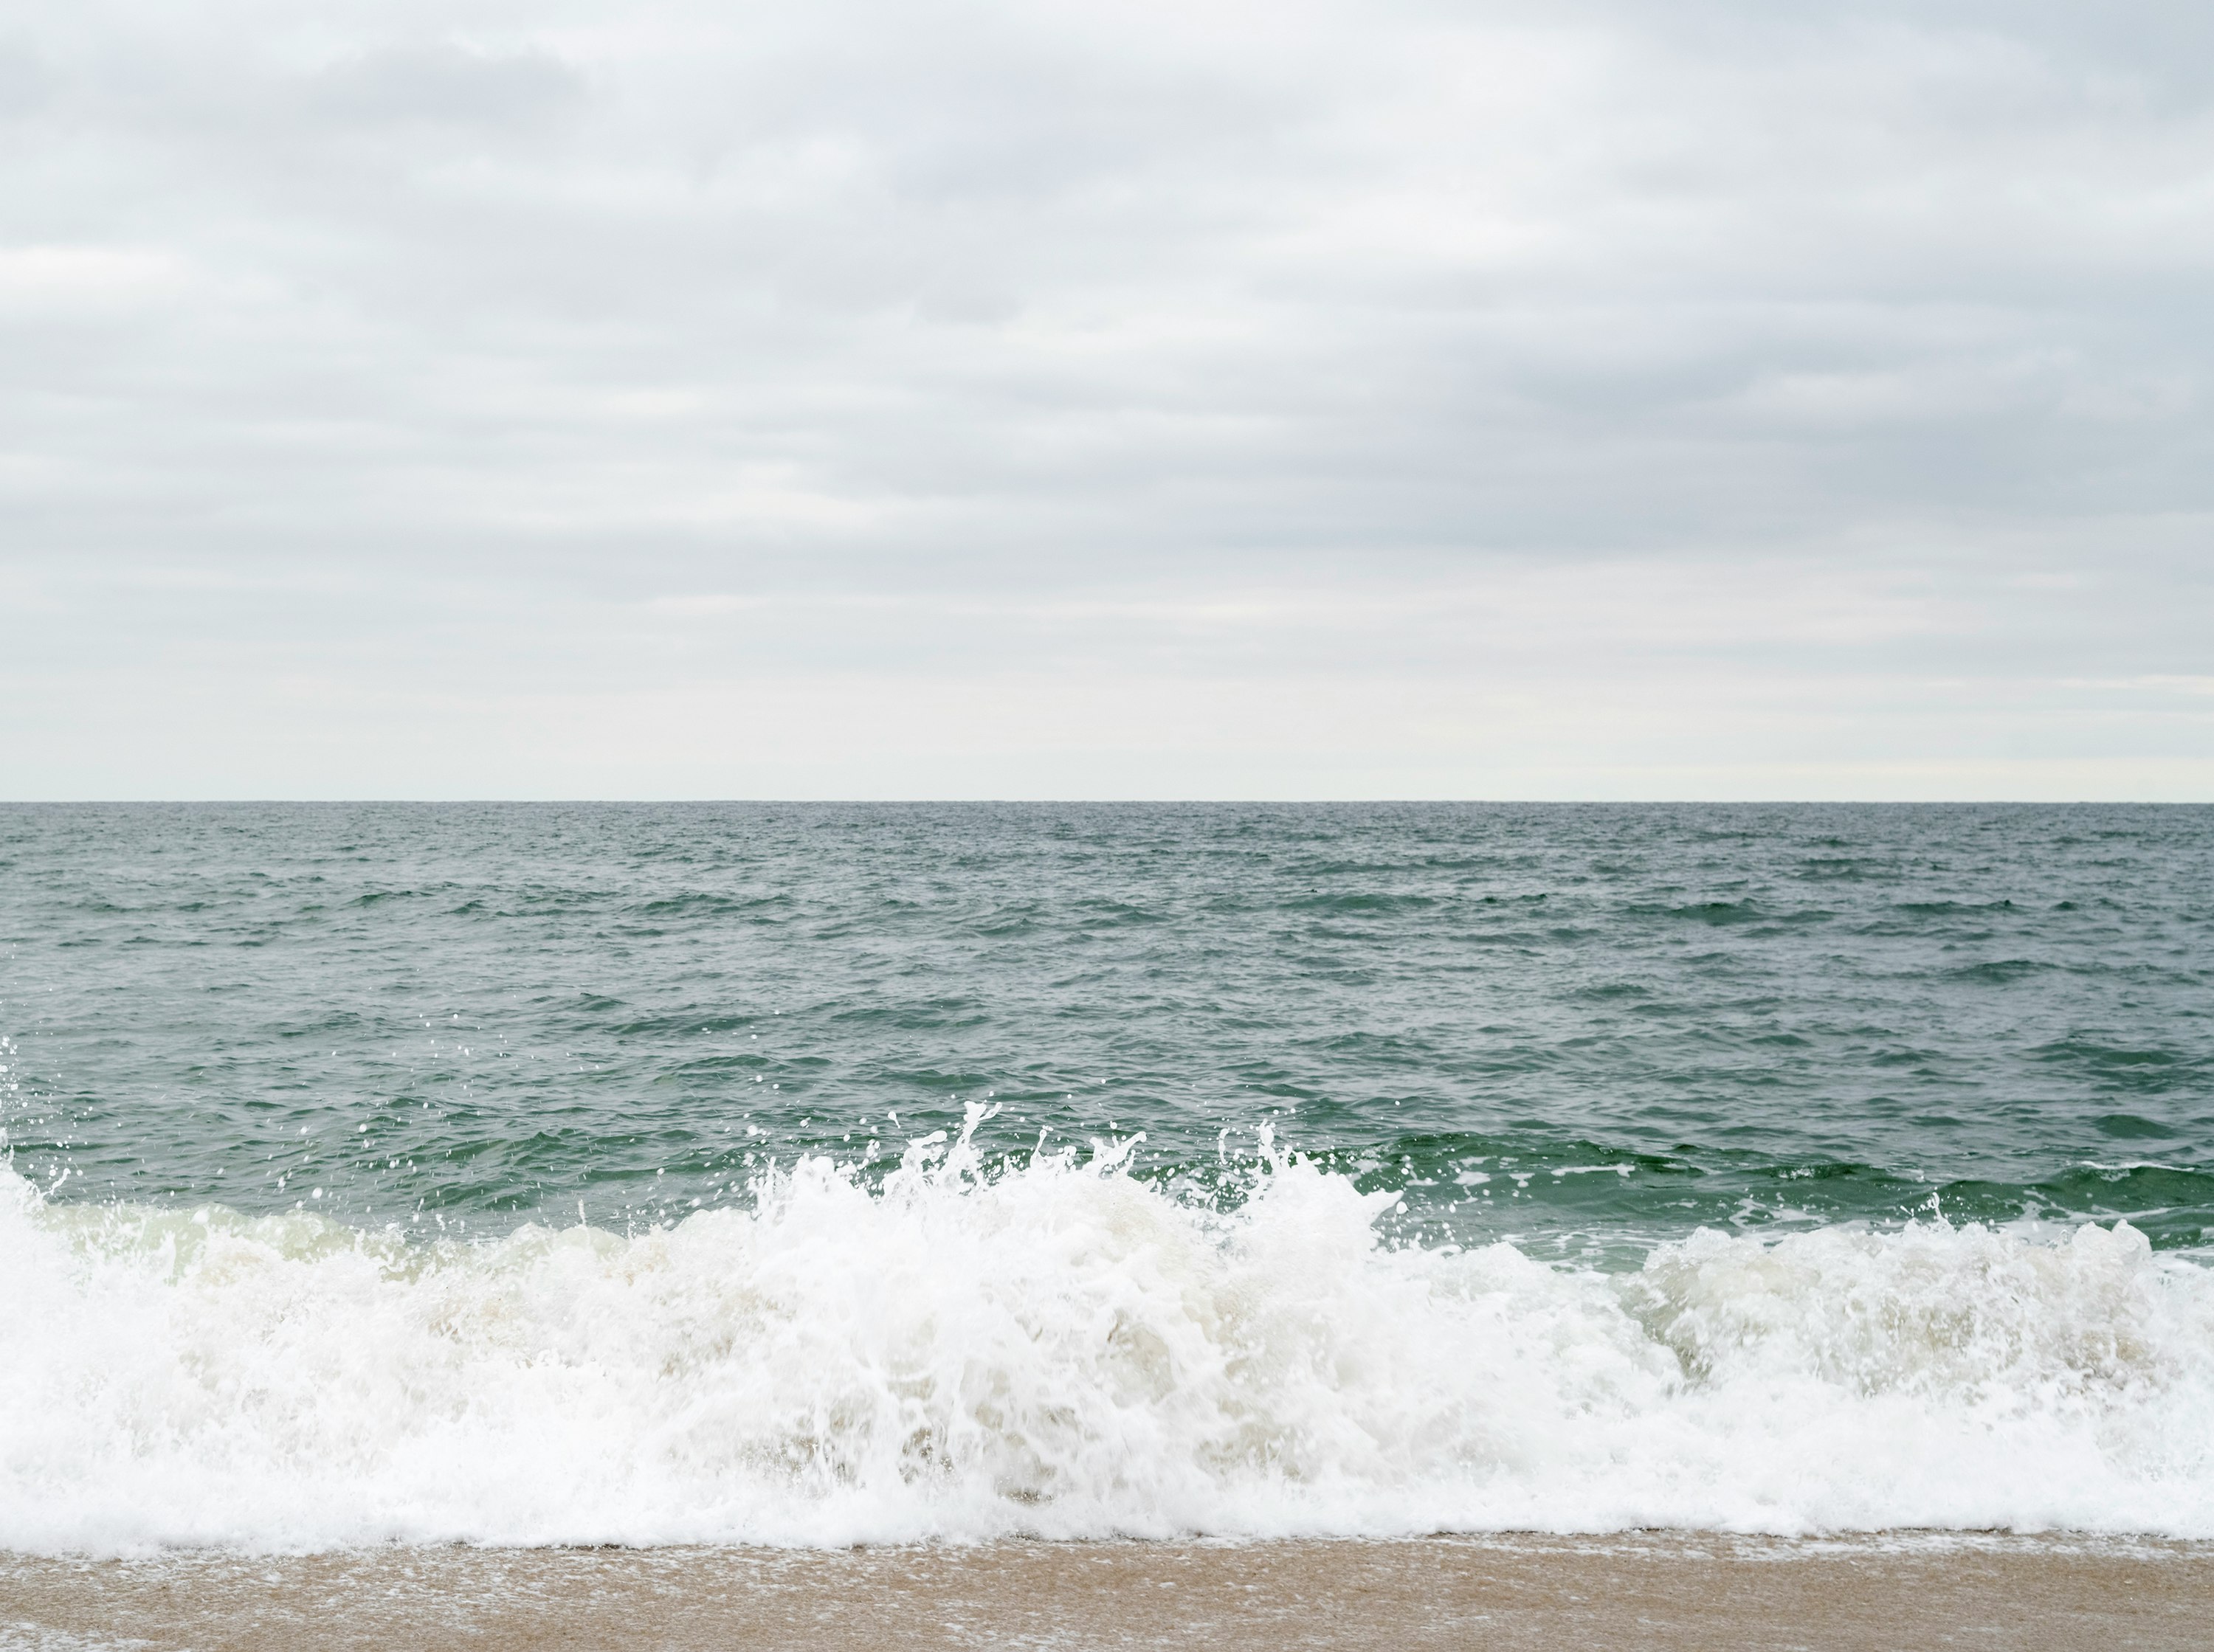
(1057, 1348)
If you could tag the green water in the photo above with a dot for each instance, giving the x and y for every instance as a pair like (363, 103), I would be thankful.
(1587, 1029)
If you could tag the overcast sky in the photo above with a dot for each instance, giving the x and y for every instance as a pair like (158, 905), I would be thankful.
(701, 399)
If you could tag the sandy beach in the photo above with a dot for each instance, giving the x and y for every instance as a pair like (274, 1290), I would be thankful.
(1654, 1590)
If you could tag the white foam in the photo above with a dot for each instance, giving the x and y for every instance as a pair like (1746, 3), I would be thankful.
(1058, 1349)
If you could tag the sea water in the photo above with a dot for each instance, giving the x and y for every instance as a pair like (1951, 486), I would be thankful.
(823, 1174)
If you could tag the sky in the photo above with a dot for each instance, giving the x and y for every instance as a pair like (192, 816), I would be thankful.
(1681, 399)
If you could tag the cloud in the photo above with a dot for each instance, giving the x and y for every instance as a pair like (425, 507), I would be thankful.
(508, 345)
(444, 85)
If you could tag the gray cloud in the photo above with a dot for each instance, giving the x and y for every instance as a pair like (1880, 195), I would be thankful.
(1477, 400)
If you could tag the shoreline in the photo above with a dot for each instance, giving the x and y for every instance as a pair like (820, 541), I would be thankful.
(1659, 1589)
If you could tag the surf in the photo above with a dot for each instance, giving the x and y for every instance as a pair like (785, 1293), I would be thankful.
(1047, 1345)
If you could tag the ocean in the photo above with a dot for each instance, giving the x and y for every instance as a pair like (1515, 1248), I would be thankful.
(833, 1173)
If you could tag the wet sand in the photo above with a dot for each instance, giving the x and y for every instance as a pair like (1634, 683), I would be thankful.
(1641, 1591)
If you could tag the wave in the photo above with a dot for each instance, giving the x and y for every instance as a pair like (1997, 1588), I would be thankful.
(1054, 1347)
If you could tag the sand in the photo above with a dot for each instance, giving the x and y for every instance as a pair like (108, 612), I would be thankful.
(2025, 1595)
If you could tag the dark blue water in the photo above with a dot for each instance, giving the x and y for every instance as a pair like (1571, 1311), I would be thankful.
(1587, 1027)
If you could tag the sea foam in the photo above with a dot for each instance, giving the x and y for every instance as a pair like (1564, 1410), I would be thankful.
(1055, 1347)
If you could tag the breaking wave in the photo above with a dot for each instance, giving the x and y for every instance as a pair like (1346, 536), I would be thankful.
(1055, 1347)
